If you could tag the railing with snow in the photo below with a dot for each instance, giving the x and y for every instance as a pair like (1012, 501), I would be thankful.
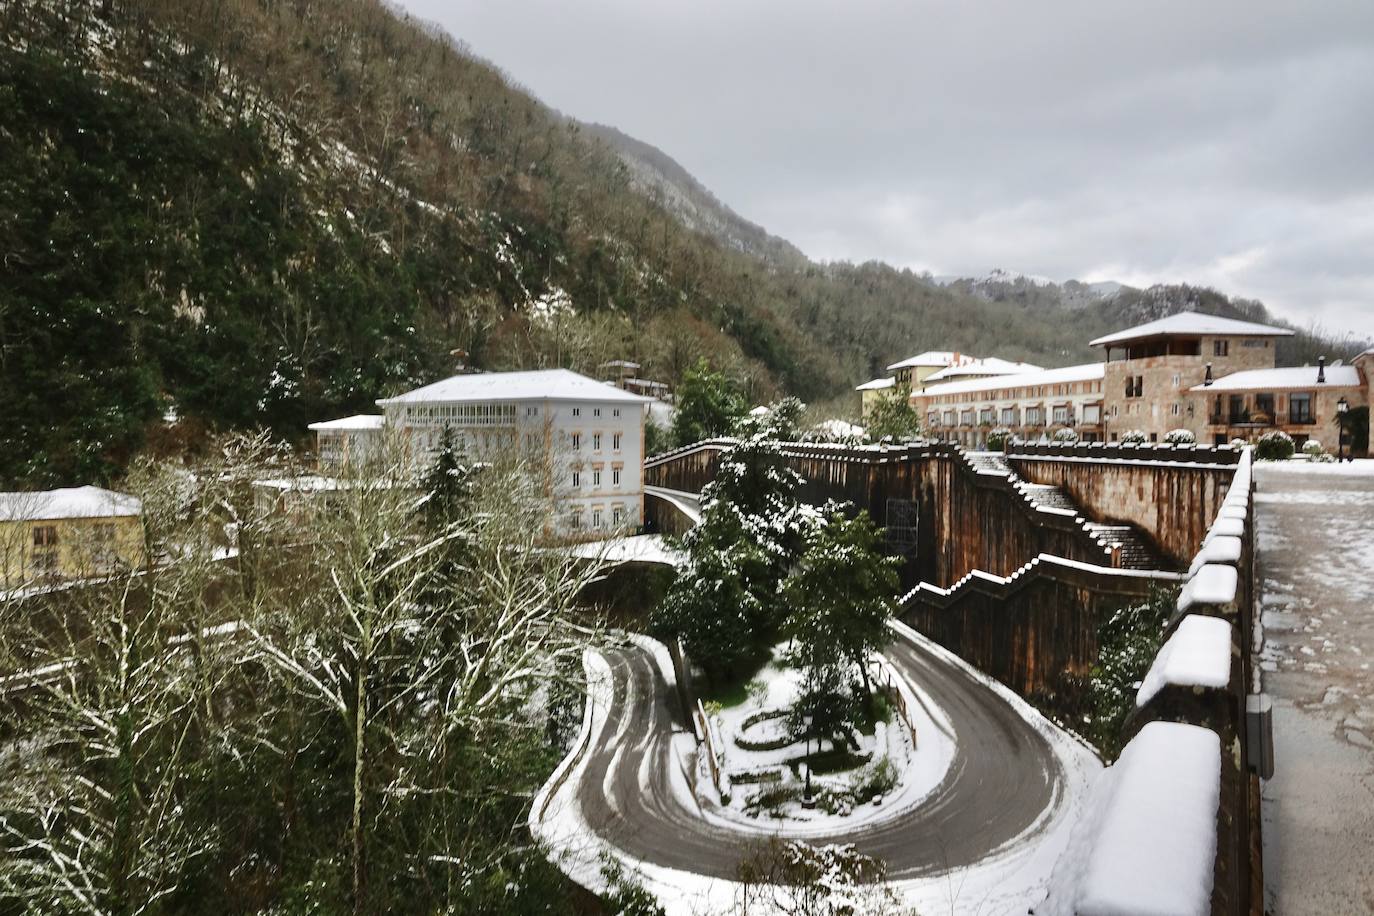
(711, 744)
(1144, 451)
(882, 674)
(1187, 780)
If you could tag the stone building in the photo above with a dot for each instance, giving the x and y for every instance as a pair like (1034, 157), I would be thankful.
(1152, 369)
(68, 533)
(1212, 376)
(1028, 404)
(1301, 401)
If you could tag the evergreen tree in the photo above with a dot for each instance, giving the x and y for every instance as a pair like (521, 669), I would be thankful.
(708, 405)
(448, 481)
(726, 603)
(893, 418)
(840, 598)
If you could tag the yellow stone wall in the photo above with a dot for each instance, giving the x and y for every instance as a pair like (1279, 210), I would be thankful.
(72, 548)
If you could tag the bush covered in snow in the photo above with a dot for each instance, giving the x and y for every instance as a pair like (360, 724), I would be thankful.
(1134, 437)
(1312, 448)
(1180, 437)
(1238, 443)
(998, 439)
(1097, 706)
(1064, 434)
(1274, 446)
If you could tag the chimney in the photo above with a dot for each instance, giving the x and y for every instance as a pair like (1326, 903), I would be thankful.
(1208, 380)
(1321, 370)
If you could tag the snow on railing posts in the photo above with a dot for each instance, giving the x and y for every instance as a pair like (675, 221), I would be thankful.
(1197, 656)
(708, 734)
(1155, 837)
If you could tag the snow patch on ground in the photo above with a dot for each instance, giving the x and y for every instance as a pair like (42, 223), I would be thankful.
(921, 765)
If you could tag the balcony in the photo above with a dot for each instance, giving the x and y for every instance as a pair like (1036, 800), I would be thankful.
(1249, 419)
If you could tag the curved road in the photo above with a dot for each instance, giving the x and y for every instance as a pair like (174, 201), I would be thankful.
(1003, 779)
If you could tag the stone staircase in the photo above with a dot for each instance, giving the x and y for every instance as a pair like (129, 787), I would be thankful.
(989, 462)
(1136, 550)
(1049, 497)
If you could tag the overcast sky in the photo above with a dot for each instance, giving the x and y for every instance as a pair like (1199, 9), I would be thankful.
(1227, 144)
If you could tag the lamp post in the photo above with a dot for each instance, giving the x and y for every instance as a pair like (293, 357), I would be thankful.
(1341, 407)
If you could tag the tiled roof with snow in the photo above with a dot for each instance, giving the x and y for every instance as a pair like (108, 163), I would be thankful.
(538, 385)
(877, 384)
(1084, 373)
(928, 358)
(980, 367)
(1293, 377)
(67, 502)
(1192, 324)
(357, 421)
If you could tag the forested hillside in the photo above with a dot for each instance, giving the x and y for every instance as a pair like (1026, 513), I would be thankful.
(249, 213)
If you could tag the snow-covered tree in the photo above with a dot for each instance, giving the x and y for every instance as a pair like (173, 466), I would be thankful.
(893, 419)
(840, 595)
(725, 603)
(123, 691)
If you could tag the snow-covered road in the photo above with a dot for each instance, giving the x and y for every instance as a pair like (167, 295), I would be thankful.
(1316, 565)
(984, 841)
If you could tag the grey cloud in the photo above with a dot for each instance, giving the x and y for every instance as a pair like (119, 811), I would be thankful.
(1221, 142)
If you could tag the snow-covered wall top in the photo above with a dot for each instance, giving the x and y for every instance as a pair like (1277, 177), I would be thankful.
(1197, 655)
(1146, 844)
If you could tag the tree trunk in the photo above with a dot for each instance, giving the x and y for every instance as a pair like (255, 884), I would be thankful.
(359, 760)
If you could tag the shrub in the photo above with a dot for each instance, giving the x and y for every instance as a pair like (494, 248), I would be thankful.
(1180, 437)
(1238, 442)
(1312, 448)
(1274, 446)
(1064, 434)
(1134, 437)
(998, 439)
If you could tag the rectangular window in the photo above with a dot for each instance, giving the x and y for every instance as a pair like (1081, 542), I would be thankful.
(596, 441)
(577, 478)
(596, 477)
(596, 519)
(1177, 379)
(1135, 386)
(1300, 408)
(617, 515)
(615, 441)
(1221, 348)
(45, 536)
(596, 411)
(1174, 409)
(577, 442)
(615, 412)
(615, 477)
(577, 411)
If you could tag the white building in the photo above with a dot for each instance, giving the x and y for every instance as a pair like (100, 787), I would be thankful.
(349, 440)
(589, 435)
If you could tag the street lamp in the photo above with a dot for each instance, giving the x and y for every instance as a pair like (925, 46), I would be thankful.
(1341, 407)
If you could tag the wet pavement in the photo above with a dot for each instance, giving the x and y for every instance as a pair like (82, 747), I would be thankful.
(1315, 527)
